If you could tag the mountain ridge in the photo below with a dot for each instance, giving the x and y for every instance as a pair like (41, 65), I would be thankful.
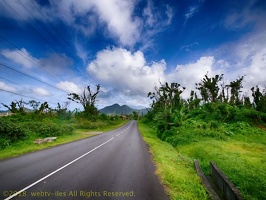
(116, 109)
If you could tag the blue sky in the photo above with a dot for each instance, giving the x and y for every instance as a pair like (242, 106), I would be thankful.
(51, 48)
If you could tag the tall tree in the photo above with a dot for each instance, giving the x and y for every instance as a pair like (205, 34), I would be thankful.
(167, 96)
(16, 107)
(43, 107)
(259, 98)
(34, 104)
(209, 88)
(235, 91)
(193, 101)
(87, 99)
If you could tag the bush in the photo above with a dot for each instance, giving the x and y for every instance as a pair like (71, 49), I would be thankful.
(50, 129)
(168, 133)
(4, 142)
(10, 132)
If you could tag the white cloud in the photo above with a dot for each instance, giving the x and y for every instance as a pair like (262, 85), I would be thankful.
(170, 14)
(21, 57)
(189, 46)
(126, 28)
(107, 12)
(148, 14)
(190, 13)
(70, 87)
(6, 87)
(247, 56)
(41, 92)
(117, 18)
(81, 52)
(189, 74)
(126, 72)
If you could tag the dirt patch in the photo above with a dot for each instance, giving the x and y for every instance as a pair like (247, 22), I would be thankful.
(94, 133)
(261, 126)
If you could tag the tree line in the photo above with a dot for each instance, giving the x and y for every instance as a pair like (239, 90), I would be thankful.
(168, 108)
(87, 99)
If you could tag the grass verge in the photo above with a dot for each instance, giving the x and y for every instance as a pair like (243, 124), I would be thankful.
(243, 162)
(27, 146)
(175, 170)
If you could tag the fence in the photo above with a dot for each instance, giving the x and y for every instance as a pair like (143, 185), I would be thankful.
(218, 185)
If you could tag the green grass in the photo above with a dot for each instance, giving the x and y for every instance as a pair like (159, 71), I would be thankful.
(243, 162)
(239, 150)
(26, 146)
(176, 170)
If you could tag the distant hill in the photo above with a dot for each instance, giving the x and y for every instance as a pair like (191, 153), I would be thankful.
(116, 109)
(4, 111)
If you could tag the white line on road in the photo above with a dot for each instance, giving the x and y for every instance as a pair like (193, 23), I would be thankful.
(17, 193)
(117, 134)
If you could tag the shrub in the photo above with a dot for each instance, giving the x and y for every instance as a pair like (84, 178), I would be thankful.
(214, 124)
(49, 129)
(4, 142)
(168, 133)
(10, 132)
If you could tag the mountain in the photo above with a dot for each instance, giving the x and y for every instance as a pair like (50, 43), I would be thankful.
(116, 109)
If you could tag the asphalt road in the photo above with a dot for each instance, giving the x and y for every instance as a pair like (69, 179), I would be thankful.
(113, 165)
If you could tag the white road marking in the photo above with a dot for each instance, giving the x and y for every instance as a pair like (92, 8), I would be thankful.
(118, 134)
(24, 189)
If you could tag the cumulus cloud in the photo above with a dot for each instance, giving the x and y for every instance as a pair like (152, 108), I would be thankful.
(109, 12)
(127, 72)
(253, 63)
(189, 74)
(126, 28)
(6, 87)
(130, 75)
(69, 86)
(87, 16)
(22, 57)
(246, 57)
(41, 92)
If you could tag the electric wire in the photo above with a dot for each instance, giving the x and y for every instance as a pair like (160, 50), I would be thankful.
(32, 61)
(41, 37)
(67, 49)
(31, 77)
(23, 95)
(87, 75)
(8, 80)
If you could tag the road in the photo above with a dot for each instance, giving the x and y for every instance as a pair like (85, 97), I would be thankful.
(112, 165)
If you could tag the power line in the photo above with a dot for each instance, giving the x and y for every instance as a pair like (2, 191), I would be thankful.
(31, 77)
(44, 38)
(38, 34)
(8, 80)
(70, 53)
(32, 61)
(24, 95)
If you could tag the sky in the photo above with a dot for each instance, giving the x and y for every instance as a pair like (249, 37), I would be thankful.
(50, 48)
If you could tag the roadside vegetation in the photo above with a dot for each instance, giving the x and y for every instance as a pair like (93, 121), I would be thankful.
(19, 130)
(217, 123)
(175, 170)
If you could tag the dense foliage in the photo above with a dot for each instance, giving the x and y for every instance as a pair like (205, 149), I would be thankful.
(23, 126)
(217, 122)
(43, 121)
(215, 105)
